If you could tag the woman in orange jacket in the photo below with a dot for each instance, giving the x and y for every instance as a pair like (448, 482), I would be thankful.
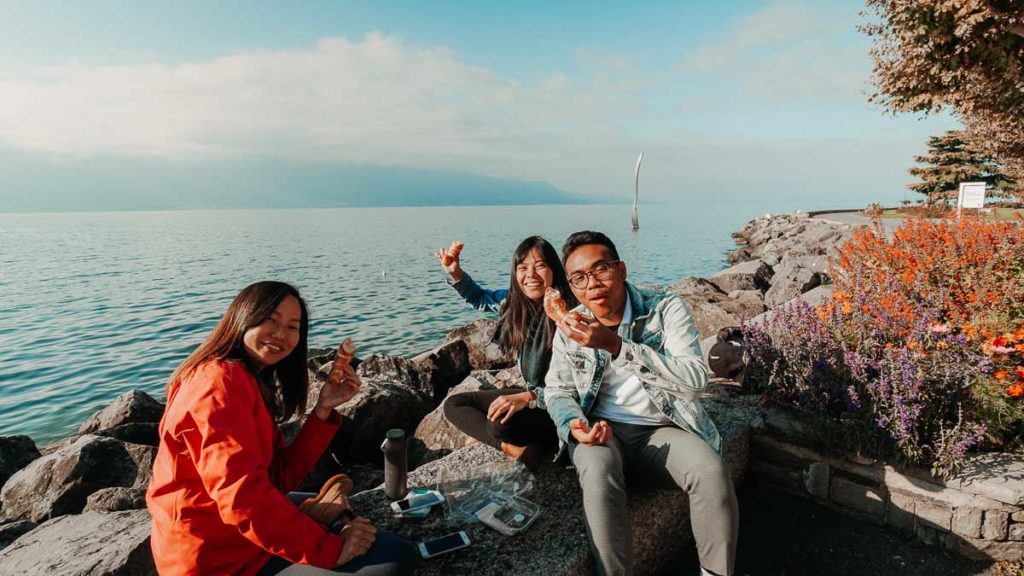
(219, 493)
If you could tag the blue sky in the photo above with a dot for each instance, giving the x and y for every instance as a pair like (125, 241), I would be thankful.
(762, 98)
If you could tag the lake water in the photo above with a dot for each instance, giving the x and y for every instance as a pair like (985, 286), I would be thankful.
(99, 303)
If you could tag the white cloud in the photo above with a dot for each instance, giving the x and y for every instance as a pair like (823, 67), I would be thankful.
(382, 101)
(374, 101)
(788, 52)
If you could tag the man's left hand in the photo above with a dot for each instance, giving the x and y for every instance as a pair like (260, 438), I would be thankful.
(589, 332)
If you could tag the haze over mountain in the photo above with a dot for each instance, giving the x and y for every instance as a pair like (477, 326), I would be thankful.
(32, 183)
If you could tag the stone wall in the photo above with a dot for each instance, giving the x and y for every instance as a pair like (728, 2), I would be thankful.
(979, 514)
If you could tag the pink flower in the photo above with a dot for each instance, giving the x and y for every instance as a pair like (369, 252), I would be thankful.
(938, 329)
(1001, 350)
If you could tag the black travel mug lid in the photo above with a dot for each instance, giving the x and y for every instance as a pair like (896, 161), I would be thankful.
(395, 434)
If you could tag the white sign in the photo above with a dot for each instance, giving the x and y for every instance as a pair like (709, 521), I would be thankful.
(972, 195)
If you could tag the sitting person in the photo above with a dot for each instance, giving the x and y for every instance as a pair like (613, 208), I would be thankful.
(218, 496)
(512, 420)
(624, 390)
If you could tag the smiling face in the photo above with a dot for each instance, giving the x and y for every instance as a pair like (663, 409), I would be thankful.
(533, 276)
(604, 297)
(276, 337)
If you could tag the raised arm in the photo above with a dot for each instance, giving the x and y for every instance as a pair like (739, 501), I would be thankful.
(475, 295)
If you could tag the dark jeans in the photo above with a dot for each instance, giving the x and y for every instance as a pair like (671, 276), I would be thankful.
(390, 555)
(468, 412)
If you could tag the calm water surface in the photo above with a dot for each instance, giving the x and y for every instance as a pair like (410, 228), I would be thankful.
(99, 303)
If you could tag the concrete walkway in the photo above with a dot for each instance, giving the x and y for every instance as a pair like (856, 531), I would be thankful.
(856, 219)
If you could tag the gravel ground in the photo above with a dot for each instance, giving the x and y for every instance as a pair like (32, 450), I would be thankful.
(782, 535)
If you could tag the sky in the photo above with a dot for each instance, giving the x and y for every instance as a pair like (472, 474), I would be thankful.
(752, 98)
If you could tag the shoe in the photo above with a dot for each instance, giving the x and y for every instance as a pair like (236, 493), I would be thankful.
(331, 504)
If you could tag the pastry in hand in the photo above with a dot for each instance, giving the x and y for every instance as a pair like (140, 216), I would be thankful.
(554, 305)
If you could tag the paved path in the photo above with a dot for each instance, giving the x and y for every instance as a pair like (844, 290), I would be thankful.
(856, 219)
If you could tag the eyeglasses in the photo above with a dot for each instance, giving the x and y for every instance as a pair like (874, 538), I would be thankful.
(600, 271)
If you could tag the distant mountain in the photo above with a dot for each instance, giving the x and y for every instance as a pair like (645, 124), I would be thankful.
(30, 183)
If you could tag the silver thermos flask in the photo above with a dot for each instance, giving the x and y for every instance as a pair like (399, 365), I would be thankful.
(396, 464)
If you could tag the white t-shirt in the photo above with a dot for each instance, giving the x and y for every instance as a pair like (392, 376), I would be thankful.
(621, 397)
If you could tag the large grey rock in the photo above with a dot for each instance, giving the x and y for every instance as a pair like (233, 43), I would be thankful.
(132, 406)
(16, 452)
(90, 544)
(776, 238)
(59, 483)
(750, 275)
(443, 367)
(484, 353)
(116, 499)
(711, 308)
(135, 433)
(437, 433)
(818, 295)
(392, 397)
(794, 276)
(11, 531)
(557, 542)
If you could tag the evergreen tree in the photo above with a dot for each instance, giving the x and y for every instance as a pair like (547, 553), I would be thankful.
(952, 159)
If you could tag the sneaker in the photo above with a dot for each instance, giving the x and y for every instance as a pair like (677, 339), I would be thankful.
(331, 504)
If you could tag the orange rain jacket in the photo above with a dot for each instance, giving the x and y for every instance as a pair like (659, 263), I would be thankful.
(217, 496)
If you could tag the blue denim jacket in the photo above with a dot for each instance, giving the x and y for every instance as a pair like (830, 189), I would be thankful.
(661, 346)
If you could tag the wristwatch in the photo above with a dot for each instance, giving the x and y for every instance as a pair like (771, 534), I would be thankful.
(533, 400)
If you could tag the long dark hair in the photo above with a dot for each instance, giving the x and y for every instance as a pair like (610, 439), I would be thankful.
(519, 313)
(287, 378)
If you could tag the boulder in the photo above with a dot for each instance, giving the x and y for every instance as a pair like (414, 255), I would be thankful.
(116, 499)
(818, 295)
(16, 452)
(775, 238)
(443, 367)
(11, 531)
(711, 308)
(60, 482)
(557, 542)
(794, 276)
(437, 433)
(90, 544)
(132, 406)
(749, 303)
(394, 370)
(484, 353)
(146, 433)
(392, 397)
(750, 275)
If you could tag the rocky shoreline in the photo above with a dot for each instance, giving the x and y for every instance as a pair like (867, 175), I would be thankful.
(76, 506)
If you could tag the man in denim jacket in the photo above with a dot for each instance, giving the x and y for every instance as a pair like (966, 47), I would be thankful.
(624, 391)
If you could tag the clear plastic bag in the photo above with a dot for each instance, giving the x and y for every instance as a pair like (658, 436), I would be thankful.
(510, 516)
(470, 490)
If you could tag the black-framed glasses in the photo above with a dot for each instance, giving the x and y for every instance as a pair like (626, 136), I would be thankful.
(600, 271)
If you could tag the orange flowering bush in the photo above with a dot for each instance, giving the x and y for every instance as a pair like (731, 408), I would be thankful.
(921, 348)
(967, 275)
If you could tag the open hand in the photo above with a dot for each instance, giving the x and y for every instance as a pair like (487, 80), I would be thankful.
(598, 434)
(449, 259)
(342, 385)
(589, 332)
(359, 535)
(507, 406)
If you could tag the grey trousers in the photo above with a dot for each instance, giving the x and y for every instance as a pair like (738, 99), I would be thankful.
(665, 456)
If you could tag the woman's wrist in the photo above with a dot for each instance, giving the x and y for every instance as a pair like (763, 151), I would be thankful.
(322, 412)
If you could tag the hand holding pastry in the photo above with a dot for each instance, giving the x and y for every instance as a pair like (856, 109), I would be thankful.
(449, 259)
